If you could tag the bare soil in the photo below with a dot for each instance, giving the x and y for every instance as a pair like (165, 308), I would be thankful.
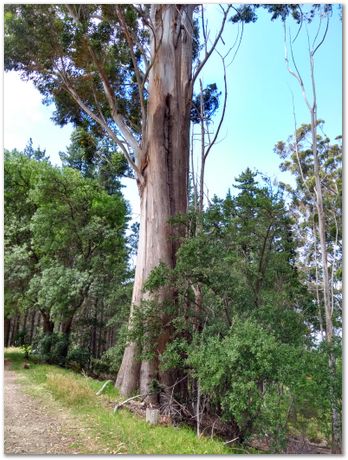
(32, 426)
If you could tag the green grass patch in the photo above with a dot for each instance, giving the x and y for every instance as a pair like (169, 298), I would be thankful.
(15, 356)
(121, 432)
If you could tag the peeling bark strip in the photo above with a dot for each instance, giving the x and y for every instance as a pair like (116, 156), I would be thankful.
(165, 164)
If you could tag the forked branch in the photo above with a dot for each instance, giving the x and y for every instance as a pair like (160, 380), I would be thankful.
(213, 47)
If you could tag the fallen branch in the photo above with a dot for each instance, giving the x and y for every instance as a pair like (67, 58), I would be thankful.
(99, 392)
(232, 440)
(127, 400)
(83, 372)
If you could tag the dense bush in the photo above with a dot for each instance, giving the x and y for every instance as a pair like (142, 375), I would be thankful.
(51, 348)
(241, 373)
(78, 358)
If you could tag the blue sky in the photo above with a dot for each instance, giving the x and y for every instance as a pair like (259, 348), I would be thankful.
(259, 111)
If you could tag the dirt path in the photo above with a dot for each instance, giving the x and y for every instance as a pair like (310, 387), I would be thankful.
(31, 427)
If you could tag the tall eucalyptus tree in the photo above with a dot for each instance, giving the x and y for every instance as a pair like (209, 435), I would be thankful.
(125, 71)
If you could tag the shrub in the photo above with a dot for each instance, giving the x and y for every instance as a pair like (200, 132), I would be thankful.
(241, 370)
(51, 348)
(78, 358)
(59, 350)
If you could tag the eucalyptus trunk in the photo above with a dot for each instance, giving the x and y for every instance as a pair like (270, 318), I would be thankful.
(335, 414)
(164, 166)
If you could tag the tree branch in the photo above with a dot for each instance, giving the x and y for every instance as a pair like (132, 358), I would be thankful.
(138, 77)
(118, 118)
(296, 74)
(222, 115)
(101, 122)
(217, 38)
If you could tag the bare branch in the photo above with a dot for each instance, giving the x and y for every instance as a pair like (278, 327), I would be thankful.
(324, 36)
(193, 173)
(127, 400)
(318, 30)
(118, 118)
(301, 24)
(217, 38)
(204, 29)
(296, 74)
(333, 268)
(240, 35)
(222, 115)
(313, 109)
(296, 146)
(201, 187)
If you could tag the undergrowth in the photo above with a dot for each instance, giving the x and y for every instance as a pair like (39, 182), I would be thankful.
(122, 432)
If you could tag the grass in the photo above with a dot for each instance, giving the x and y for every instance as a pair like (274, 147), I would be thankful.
(122, 432)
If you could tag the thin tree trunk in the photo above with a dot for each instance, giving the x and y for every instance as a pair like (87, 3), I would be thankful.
(317, 283)
(32, 325)
(48, 325)
(7, 324)
(39, 320)
(100, 347)
(336, 423)
(94, 332)
(164, 167)
(198, 409)
(201, 179)
(66, 330)
(25, 318)
(12, 328)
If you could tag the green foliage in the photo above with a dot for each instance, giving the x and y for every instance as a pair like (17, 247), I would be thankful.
(78, 358)
(77, 38)
(65, 245)
(297, 156)
(146, 327)
(240, 370)
(208, 101)
(241, 321)
(262, 384)
(50, 348)
(175, 354)
(95, 157)
(59, 350)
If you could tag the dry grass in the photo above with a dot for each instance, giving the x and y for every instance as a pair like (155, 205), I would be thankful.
(68, 389)
(119, 433)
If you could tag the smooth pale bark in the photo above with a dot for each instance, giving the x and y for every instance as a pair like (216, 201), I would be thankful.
(335, 415)
(164, 166)
(335, 418)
